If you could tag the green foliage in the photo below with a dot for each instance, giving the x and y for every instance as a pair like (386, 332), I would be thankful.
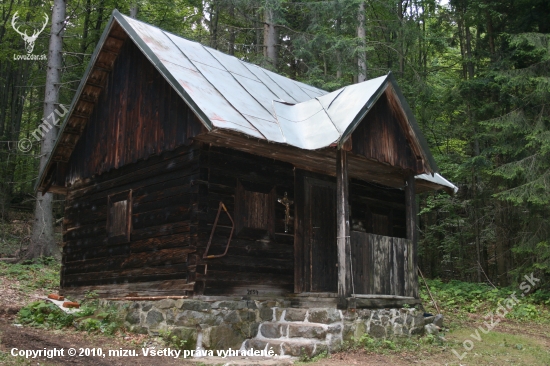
(44, 314)
(401, 344)
(173, 341)
(462, 298)
(40, 275)
(305, 359)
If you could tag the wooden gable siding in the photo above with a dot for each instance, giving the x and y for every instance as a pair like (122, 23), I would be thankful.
(138, 114)
(158, 258)
(380, 137)
(257, 262)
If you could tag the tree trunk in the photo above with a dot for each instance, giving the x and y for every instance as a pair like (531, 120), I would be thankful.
(361, 35)
(270, 37)
(338, 51)
(401, 39)
(134, 10)
(214, 18)
(231, 49)
(42, 239)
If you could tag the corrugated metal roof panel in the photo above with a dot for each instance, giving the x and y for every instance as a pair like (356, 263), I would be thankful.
(227, 93)
(266, 80)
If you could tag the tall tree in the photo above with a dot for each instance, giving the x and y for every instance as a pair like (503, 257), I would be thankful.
(362, 38)
(42, 239)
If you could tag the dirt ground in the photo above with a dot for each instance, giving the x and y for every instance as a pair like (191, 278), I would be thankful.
(512, 343)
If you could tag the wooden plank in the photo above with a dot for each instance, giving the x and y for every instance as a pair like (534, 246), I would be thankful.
(299, 204)
(412, 235)
(343, 228)
(154, 288)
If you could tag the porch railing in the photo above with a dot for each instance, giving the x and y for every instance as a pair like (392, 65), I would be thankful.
(382, 265)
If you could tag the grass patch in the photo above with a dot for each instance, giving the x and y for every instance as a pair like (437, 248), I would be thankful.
(509, 349)
(32, 276)
(459, 299)
(90, 318)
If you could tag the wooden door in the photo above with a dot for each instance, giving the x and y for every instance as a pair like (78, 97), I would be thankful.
(320, 215)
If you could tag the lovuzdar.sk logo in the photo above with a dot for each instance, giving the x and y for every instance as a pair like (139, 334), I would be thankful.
(29, 40)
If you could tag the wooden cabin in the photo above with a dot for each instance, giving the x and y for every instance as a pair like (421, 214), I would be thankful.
(190, 172)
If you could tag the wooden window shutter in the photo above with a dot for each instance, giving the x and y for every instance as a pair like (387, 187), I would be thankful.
(119, 217)
(254, 208)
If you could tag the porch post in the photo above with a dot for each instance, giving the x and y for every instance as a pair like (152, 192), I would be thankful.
(342, 229)
(412, 233)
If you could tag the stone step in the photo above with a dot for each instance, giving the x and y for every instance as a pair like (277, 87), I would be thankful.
(274, 330)
(287, 347)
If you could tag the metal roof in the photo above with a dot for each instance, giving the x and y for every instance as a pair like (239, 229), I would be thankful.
(228, 93)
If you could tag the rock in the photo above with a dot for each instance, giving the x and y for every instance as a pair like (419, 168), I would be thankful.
(225, 337)
(232, 317)
(377, 331)
(306, 331)
(419, 321)
(256, 344)
(146, 306)
(364, 313)
(195, 305)
(247, 315)
(189, 318)
(431, 329)
(438, 320)
(133, 317)
(429, 319)
(324, 316)
(295, 315)
(270, 330)
(165, 304)
(298, 349)
(266, 314)
(153, 318)
(249, 330)
(335, 328)
(350, 315)
(189, 335)
(231, 305)
(360, 329)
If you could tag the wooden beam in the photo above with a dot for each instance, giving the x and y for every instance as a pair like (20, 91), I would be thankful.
(412, 233)
(343, 229)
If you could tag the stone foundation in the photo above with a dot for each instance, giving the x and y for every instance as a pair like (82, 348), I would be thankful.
(267, 324)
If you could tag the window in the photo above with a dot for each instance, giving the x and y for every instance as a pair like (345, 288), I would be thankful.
(254, 209)
(119, 217)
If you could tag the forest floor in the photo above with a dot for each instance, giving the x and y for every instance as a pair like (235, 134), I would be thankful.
(511, 342)
(522, 338)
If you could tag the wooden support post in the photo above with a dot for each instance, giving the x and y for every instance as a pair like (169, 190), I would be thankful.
(412, 233)
(342, 229)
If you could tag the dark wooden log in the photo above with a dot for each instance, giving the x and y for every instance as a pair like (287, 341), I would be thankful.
(343, 228)
(410, 199)
(154, 288)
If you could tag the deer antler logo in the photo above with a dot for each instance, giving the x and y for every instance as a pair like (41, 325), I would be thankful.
(29, 40)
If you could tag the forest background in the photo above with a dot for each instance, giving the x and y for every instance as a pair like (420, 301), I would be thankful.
(475, 72)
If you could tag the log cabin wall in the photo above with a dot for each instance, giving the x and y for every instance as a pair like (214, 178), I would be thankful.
(131, 192)
(377, 209)
(260, 259)
(155, 259)
(138, 114)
